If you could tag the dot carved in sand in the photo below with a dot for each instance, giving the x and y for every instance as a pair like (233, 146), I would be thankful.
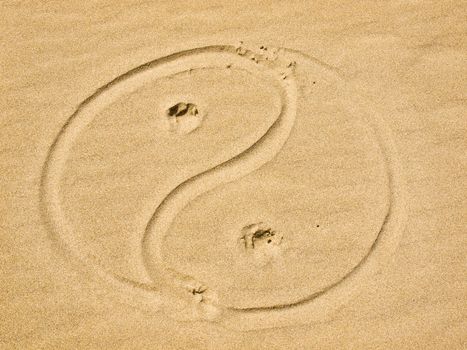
(199, 295)
(261, 243)
(183, 118)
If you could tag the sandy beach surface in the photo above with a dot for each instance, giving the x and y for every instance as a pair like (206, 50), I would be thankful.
(233, 175)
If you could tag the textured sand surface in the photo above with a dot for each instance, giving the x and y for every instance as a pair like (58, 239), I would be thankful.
(207, 175)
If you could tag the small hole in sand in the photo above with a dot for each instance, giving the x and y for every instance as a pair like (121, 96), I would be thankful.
(183, 117)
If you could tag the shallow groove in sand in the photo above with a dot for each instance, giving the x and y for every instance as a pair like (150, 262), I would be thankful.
(170, 286)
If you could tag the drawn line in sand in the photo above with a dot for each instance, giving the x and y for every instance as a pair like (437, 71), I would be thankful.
(180, 295)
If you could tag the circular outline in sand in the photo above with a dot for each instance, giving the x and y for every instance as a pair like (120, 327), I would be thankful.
(313, 308)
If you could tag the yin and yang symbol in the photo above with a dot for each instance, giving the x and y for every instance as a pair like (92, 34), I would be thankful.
(249, 187)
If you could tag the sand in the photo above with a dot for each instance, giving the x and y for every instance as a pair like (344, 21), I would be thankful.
(249, 176)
